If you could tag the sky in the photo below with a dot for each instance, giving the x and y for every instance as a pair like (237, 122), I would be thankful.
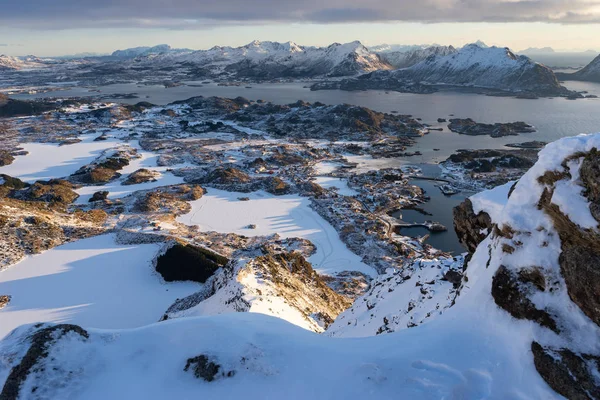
(48, 28)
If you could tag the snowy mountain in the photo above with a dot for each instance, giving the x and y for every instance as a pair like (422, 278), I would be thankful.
(538, 50)
(269, 60)
(146, 51)
(590, 72)
(405, 59)
(17, 63)
(402, 48)
(521, 322)
(472, 67)
(492, 67)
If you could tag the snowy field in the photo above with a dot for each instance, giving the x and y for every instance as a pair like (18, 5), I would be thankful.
(272, 359)
(116, 189)
(92, 282)
(340, 184)
(288, 216)
(49, 160)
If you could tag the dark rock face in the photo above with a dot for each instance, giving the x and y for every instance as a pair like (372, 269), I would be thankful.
(470, 127)
(569, 374)
(41, 342)
(511, 292)
(590, 177)
(18, 108)
(206, 369)
(183, 262)
(99, 196)
(469, 226)
(5, 158)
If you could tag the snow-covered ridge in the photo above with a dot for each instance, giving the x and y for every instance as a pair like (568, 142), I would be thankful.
(404, 59)
(18, 63)
(273, 59)
(492, 67)
(146, 50)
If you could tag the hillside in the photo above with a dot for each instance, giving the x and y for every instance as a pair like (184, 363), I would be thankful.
(590, 73)
(521, 321)
(471, 68)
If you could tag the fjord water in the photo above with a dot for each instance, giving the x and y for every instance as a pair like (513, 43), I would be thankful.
(553, 117)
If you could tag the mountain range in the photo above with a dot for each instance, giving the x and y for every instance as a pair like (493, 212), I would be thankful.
(473, 67)
(421, 69)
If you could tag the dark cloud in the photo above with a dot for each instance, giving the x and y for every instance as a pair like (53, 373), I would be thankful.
(194, 14)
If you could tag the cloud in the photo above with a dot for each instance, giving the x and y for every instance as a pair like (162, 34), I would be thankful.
(195, 14)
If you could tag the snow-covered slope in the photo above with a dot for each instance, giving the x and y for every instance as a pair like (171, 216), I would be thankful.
(521, 322)
(278, 60)
(590, 72)
(493, 67)
(404, 59)
(483, 69)
(17, 63)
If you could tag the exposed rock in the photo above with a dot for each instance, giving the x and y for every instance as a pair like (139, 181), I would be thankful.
(469, 127)
(185, 262)
(41, 343)
(224, 176)
(471, 229)
(574, 376)
(4, 300)
(99, 196)
(55, 191)
(142, 175)
(206, 369)
(5, 158)
(534, 144)
(511, 293)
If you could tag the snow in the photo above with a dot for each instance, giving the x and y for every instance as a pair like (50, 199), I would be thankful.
(492, 201)
(274, 359)
(260, 295)
(340, 184)
(567, 196)
(288, 216)
(49, 160)
(528, 191)
(116, 189)
(268, 53)
(325, 167)
(399, 299)
(93, 282)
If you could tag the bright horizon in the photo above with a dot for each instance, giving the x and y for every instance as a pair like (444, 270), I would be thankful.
(68, 27)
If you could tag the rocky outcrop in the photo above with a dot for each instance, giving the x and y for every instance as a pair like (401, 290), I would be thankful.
(469, 127)
(142, 175)
(56, 192)
(42, 342)
(6, 158)
(471, 228)
(276, 273)
(572, 375)
(560, 293)
(4, 300)
(186, 262)
(206, 368)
